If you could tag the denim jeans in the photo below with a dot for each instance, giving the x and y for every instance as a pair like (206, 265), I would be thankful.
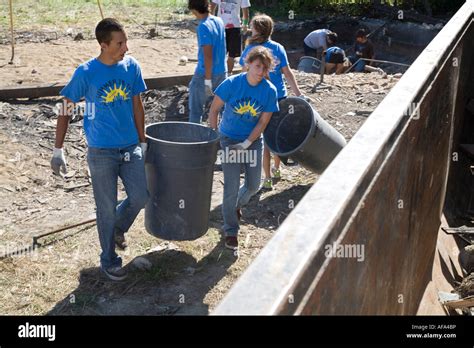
(106, 166)
(233, 196)
(360, 66)
(197, 95)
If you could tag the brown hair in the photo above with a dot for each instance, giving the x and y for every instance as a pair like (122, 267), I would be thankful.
(263, 54)
(202, 6)
(263, 24)
(103, 30)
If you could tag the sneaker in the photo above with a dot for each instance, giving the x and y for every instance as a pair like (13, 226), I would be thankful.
(120, 241)
(267, 184)
(276, 173)
(231, 242)
(116, 273)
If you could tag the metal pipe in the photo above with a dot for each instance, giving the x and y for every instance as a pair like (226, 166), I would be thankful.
(384, 61)
(375, 61)
(35, 238)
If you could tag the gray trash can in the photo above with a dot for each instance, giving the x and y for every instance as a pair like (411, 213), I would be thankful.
(298, 131)
(179, 168)
(309, 65)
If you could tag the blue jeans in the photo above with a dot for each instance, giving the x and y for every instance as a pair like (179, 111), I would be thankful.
(360, 66)
(197, 95)
(234, 197)
(106, 166)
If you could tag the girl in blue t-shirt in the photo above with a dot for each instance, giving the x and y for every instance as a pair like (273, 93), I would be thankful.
(249, 101)
(262, 29)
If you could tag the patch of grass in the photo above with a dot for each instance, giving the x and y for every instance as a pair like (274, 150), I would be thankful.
(60, 14)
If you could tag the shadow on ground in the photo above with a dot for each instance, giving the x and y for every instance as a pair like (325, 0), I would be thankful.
(176, 284)
(269, 212)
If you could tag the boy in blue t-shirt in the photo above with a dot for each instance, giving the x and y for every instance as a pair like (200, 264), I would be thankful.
(114, 125)
(211, 68)
(249, 101)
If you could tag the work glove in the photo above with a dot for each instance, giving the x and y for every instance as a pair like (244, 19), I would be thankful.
(208, 88)
(58, 162)
(144, 147)
(241, 146)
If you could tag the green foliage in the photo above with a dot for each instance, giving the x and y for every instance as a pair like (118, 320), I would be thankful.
(352, 7)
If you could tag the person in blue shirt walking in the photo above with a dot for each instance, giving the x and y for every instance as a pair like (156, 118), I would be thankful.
(262, 29)
(249, 100)
(211, 68)
(114, 125)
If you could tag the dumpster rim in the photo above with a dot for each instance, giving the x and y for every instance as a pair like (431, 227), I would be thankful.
(176, 143)
(308, 135)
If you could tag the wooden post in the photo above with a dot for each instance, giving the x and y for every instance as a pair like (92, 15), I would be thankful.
(100, 9)
(323, 68)
(12, 34)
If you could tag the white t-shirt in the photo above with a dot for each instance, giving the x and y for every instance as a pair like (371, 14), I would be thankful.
(229, 11)
(317, 39)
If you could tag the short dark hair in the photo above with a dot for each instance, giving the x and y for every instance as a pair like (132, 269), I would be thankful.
(202, 6)
(332, 37)
(103, 30)
(361, 33)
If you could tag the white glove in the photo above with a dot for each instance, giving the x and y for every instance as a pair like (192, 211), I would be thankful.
(241, 146)
(58, 162)
(208, 87)
(144, 147)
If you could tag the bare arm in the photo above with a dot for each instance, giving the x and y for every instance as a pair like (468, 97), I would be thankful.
(216, 106)
(290, 77)
(260, 127)
(139, 116)
(213, 8)
(245, 14)
(63, 123)
(208, 61)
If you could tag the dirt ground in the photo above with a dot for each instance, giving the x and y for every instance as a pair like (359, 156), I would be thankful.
(49, 58)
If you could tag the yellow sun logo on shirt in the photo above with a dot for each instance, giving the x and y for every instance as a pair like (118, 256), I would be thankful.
(113, 94)
(246, 107)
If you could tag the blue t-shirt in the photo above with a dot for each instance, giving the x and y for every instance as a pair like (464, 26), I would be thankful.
(108, 91)
(244, 104)
(211, 32)
(281, 61)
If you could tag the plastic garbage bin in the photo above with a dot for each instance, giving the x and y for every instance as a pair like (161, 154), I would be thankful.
(298, 131)
(179, 169)
(309, 65)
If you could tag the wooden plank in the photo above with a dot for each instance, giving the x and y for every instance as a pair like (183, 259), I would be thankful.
(461, 303)
(159, 82)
